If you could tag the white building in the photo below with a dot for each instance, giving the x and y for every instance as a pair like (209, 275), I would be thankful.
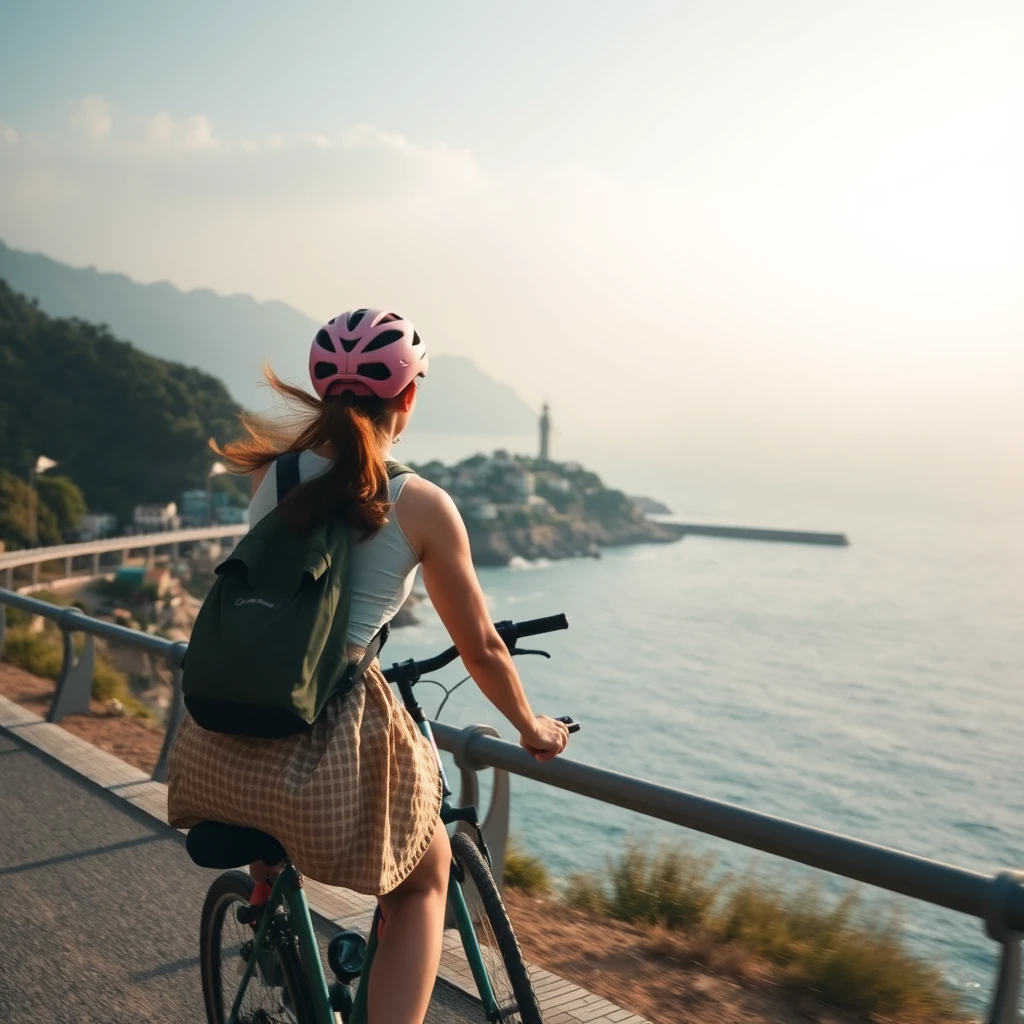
(523, 484)
(95, 525)
(155, 518)
(481, 509)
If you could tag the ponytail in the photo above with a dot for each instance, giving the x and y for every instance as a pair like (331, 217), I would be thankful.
(355, 487)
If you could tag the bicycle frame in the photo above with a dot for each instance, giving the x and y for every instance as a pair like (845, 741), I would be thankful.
(287, 892)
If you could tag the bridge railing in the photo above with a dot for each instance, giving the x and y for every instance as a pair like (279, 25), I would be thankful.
(996, 900)
(34, 557)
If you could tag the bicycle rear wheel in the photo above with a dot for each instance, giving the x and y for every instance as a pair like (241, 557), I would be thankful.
(506, 969)
(276, 993)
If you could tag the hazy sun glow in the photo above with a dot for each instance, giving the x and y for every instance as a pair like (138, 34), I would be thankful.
(779, 228)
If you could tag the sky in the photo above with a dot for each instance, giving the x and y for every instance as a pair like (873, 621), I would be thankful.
(771, 236)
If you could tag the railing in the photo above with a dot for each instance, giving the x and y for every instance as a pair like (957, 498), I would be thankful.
(998, 901)
(11, 560)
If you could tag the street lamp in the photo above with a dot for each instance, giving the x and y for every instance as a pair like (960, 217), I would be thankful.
(215, 470)
(41, 465)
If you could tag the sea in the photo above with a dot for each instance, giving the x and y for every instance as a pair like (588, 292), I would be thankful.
(875, 690)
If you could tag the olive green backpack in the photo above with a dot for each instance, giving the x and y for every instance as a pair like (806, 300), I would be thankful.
(268, 649)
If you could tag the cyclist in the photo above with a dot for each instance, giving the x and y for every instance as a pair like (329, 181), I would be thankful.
(355, 800)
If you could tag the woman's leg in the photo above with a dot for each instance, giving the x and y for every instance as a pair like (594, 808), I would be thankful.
(405, 966)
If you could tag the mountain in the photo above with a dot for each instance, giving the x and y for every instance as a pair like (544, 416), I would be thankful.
(230, 336)
(126, 427)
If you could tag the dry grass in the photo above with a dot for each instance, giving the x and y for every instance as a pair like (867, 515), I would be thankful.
(525, 872)
(42, 654)
(844, 953)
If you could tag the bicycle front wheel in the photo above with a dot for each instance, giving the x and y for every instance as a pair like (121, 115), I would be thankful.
(503, 959)
(276, 993)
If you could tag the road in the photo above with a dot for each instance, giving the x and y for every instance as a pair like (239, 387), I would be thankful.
(100, 906)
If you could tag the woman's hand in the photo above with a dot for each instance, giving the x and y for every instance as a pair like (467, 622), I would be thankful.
(547, 739)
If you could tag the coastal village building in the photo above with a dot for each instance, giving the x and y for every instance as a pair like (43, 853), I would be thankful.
(95, 525)
(155, 518)
(194, 507)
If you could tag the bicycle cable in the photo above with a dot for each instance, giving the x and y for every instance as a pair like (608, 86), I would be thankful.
(447, 694)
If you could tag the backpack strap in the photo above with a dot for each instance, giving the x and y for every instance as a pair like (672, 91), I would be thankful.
(355, 669)
(287, 474)
(397, 469)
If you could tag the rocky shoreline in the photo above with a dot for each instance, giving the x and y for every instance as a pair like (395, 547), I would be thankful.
(555, 541)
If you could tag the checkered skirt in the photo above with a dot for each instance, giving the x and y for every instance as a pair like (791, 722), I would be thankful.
(355, 800)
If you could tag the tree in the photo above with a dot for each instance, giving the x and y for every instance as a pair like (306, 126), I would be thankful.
(64, 499)
(16, 514)
(131, 429)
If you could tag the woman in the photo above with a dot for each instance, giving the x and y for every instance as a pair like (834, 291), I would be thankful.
(373, 826)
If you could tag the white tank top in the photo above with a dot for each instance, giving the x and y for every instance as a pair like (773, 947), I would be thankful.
(383, 567)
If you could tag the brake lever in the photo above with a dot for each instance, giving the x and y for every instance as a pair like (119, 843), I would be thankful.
(519, 650)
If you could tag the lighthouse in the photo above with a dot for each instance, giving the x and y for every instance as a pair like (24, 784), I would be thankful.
(545, 434)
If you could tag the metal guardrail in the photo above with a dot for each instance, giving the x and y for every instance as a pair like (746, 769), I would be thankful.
(998, 901)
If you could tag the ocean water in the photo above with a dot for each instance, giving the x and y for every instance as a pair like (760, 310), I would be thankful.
(876, 690)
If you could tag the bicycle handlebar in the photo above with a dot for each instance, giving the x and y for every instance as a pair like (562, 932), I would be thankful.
(509, 631)
(533, 627)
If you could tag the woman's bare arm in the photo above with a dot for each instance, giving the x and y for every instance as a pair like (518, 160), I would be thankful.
(434, 528)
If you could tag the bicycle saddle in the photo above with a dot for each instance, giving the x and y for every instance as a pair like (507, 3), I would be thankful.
(213, 844)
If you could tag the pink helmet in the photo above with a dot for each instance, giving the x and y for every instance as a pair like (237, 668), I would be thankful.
(368, 352)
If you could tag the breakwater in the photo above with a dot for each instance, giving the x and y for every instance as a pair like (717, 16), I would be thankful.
(838, 540)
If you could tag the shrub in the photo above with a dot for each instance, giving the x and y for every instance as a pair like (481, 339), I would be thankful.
(667, 887)
(586, 893)
(42, 654)
(525, 872)
(847, 955)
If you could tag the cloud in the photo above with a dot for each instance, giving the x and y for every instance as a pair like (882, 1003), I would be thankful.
(92, 117)
(560, 266)
(8, 136)
(449, 164)
(193, 135)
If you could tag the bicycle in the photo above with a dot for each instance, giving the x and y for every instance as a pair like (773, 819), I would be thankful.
(274, 948)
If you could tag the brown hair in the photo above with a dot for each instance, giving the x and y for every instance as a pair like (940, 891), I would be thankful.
(355, 487)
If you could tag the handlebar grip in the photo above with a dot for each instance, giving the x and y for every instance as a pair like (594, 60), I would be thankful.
(549, 624)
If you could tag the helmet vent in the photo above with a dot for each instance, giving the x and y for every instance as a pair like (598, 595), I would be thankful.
(354, 318)
(323, 339)
(324, 370)
(384, 339)
(416, 338)
(375, 371)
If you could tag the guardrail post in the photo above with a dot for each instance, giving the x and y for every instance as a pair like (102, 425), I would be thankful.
(3, 626)
(150, 556)
(74, 687)
(9, 579)
(176, 712)
(95, 563)
(67, 565)
(1006, 996)
(35, 573)
(496, 822)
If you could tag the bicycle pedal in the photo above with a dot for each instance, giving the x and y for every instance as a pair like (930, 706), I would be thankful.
(248, 914)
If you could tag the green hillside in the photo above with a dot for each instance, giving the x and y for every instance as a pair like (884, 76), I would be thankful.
(126, 427)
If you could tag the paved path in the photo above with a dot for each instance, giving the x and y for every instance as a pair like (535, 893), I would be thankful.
(101, 905)
(90, 835)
